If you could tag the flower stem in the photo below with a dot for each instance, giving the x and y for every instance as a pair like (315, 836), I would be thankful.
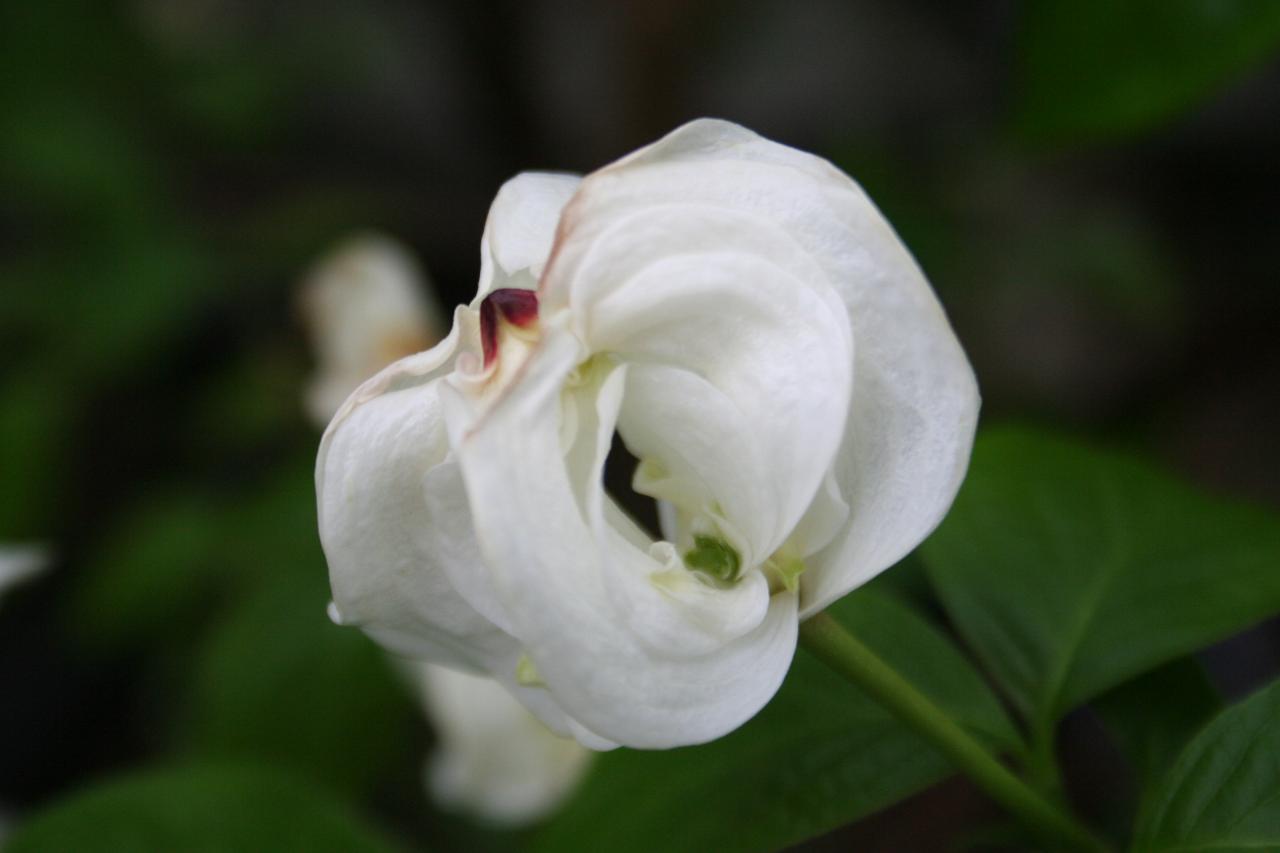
(846, 654)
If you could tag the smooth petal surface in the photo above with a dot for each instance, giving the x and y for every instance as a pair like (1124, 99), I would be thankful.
(387, 553)
(520, 229)
(742, 357)
(493, 758)
(557, 575)
(914, 407)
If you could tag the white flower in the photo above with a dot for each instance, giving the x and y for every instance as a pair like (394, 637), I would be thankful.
(753, 329)
(494, 759)
(364, 304)
(21, 562)
(364, 308)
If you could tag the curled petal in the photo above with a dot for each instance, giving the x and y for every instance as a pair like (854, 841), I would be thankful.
(742, 354)
(387, 553)
(555, 575)
(914, 407)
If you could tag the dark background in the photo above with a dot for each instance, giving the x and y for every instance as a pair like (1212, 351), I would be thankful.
(1092, 190)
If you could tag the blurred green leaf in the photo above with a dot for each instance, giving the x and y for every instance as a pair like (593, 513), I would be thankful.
(200, 808)
(820, 755)
(1223, 794)
(1094, 68)
(254, 402)
(156, 570)
(182, 550)
(34, 429)
(278, 681)
(1070, 570)
(1154, 716)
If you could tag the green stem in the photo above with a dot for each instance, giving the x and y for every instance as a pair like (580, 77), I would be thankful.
(844, 653)
(1042, 762)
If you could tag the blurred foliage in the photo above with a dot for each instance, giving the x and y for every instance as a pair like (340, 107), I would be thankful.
(1222, 792)
(1094, 68)
(1069, 571)
(276, 683)
(172, 166)
(1150, 729)
(207, 808)
(820, 755)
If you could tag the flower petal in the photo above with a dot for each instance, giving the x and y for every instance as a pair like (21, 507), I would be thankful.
(543, 553)
(744, 354)
(915, 402)
(520, 229)
(387, 553)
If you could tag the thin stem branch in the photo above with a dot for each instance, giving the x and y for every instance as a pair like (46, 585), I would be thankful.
(847, 655)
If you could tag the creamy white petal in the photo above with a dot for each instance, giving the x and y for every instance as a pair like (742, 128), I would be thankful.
(520, 229)
(387, 553)
(744, 353)
(493, 758)
(543, 553)
(915, 402)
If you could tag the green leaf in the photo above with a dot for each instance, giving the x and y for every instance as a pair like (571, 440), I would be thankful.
(153, 574)
(277, 680)
(1154, 716)
(819, 755)
(1095, 68)
(35, 423)
(197, 809)
(1070, 570)
(1223, 794)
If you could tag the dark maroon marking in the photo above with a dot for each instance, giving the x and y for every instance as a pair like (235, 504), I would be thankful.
(519, 307)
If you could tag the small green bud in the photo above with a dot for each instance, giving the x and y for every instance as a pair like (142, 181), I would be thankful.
(715, 557)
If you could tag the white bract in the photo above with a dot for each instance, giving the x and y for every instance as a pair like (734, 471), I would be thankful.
(364, 303)
(744, 318)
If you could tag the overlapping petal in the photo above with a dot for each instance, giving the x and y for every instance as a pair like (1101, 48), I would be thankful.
(914, 409)
(550, 562)
(742, 315)
(387, 554)
(742, 352)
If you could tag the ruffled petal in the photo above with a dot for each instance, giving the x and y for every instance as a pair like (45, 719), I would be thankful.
(914, 408)
(742, 350)
(548, 550)
(387, 553)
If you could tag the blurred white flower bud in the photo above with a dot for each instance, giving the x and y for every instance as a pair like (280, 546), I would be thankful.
(365, 305)
(20, 562)
(494, 759)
